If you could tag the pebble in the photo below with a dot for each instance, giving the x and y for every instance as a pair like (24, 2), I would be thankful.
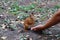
(9, 8)
(20, 31)
(53, 26)
(4, 37)
(45, 38)
(3, 26)
(2, 16)
(50, 32)
(52, 39)
(31, 39)
(18, 16)
(56, 35)
(27, 35)
(39, 36)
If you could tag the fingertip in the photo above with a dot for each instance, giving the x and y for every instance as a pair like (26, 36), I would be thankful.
(31, 28)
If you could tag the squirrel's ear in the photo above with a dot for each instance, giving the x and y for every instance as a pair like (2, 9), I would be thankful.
(32, 13)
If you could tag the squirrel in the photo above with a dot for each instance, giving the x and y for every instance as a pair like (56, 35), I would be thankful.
(29, 21)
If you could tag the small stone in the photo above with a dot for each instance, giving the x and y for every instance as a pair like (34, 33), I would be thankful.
(31, 39)
(1, 15)
(7, 12)
(52, 39)
(50, 32)
(56, 35)
(18, 16)
(22, 22)
(53, 26)
(20, 31)
(45, 38)
(39, 36)
(9, 8)
(4, 37)
(5, 4)
(3, 26)
(27, 35)
(25, 38)
(12, 21)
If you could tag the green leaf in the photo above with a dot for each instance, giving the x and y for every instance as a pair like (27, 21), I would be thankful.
(57, 6)
(15, 8)
(21, 7)
(43, 17)
(32, 5)
(7, 20)
(39, 9)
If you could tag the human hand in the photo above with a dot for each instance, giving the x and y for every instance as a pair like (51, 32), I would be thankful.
(37, 28)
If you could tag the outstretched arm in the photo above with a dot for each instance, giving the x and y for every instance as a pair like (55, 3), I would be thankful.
(54, 20)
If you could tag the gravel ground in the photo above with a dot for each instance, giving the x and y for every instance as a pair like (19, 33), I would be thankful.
(52, 33)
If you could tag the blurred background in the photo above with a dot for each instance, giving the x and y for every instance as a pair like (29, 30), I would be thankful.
(10, 10)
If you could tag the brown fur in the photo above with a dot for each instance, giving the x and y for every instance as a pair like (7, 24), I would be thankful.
(29, 21)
